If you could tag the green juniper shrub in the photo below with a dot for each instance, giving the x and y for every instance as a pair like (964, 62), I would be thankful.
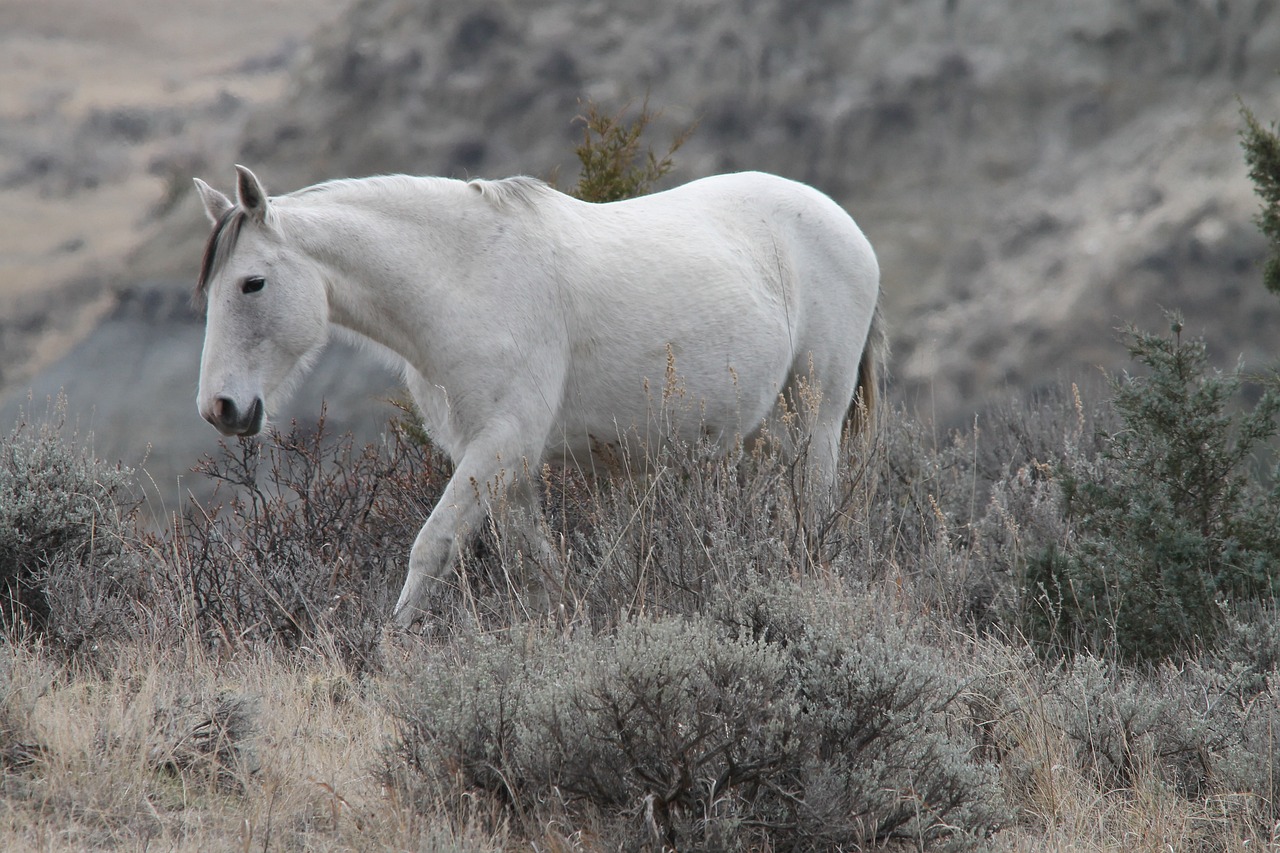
(70, 565)
(612, 166)
(1168, 530)
(1262, 153)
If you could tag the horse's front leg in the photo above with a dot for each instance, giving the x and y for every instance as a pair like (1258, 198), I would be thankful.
(457, 518)
(451, 525)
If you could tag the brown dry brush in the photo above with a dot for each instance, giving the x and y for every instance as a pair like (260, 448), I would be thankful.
(713, 683)
(306, 540)
(308, 547)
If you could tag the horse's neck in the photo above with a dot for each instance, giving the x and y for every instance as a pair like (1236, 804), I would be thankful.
(387, 262)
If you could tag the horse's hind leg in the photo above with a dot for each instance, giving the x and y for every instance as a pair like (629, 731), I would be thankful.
(518, 512)
(821, 453)
(816, 412)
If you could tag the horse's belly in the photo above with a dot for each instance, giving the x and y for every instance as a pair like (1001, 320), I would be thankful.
(635, 411)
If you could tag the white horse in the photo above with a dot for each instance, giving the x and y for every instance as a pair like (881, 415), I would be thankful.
(534, 327)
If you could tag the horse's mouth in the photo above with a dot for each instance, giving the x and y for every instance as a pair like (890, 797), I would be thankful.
(257, 414)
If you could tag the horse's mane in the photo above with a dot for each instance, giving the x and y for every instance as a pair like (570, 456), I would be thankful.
(502, 192)
(222, 241)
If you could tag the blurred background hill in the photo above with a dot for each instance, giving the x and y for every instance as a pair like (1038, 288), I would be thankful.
(1030, 178)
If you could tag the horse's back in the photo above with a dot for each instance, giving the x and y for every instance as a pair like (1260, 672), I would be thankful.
(790, 249)
(725, 288)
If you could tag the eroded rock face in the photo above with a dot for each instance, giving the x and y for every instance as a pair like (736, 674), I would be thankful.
(1031, 179)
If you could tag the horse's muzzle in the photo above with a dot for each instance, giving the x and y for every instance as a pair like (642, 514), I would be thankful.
(230, 420)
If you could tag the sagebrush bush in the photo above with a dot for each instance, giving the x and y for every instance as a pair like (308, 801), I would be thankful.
(1186, 728)
(885, 746)
(199, 735)
(956, 512)
(69, 566)
(783, 721)
(1169, 527)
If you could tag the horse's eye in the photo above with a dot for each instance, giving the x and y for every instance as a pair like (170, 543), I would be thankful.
(253, 284)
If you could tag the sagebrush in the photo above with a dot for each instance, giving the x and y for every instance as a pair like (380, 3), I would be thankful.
(1057, 629)
(788, 720)
(70, 566)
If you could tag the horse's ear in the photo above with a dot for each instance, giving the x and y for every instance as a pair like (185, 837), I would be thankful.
(251, 195)
(216, 204)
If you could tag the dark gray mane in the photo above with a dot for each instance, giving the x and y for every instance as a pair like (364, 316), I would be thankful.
(221, 242)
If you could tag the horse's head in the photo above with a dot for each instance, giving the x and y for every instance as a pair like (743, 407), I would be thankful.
(266, 311)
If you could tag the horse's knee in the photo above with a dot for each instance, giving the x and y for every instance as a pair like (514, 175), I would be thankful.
(425, 559)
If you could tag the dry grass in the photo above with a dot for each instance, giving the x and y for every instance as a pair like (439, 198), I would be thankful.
(134, 755)
(303, 772)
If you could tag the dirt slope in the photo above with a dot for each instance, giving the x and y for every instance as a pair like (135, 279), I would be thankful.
(1030, 180)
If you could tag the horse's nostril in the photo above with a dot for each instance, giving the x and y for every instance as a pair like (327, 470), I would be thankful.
(224, 410)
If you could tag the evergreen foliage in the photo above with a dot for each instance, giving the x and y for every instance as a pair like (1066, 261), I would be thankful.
(1262, 153)
(613, 167)
(1170, 529)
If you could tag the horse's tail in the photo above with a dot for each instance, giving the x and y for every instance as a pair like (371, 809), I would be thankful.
(875, 353)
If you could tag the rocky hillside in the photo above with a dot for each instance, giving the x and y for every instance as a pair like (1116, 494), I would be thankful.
(1031, 179)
